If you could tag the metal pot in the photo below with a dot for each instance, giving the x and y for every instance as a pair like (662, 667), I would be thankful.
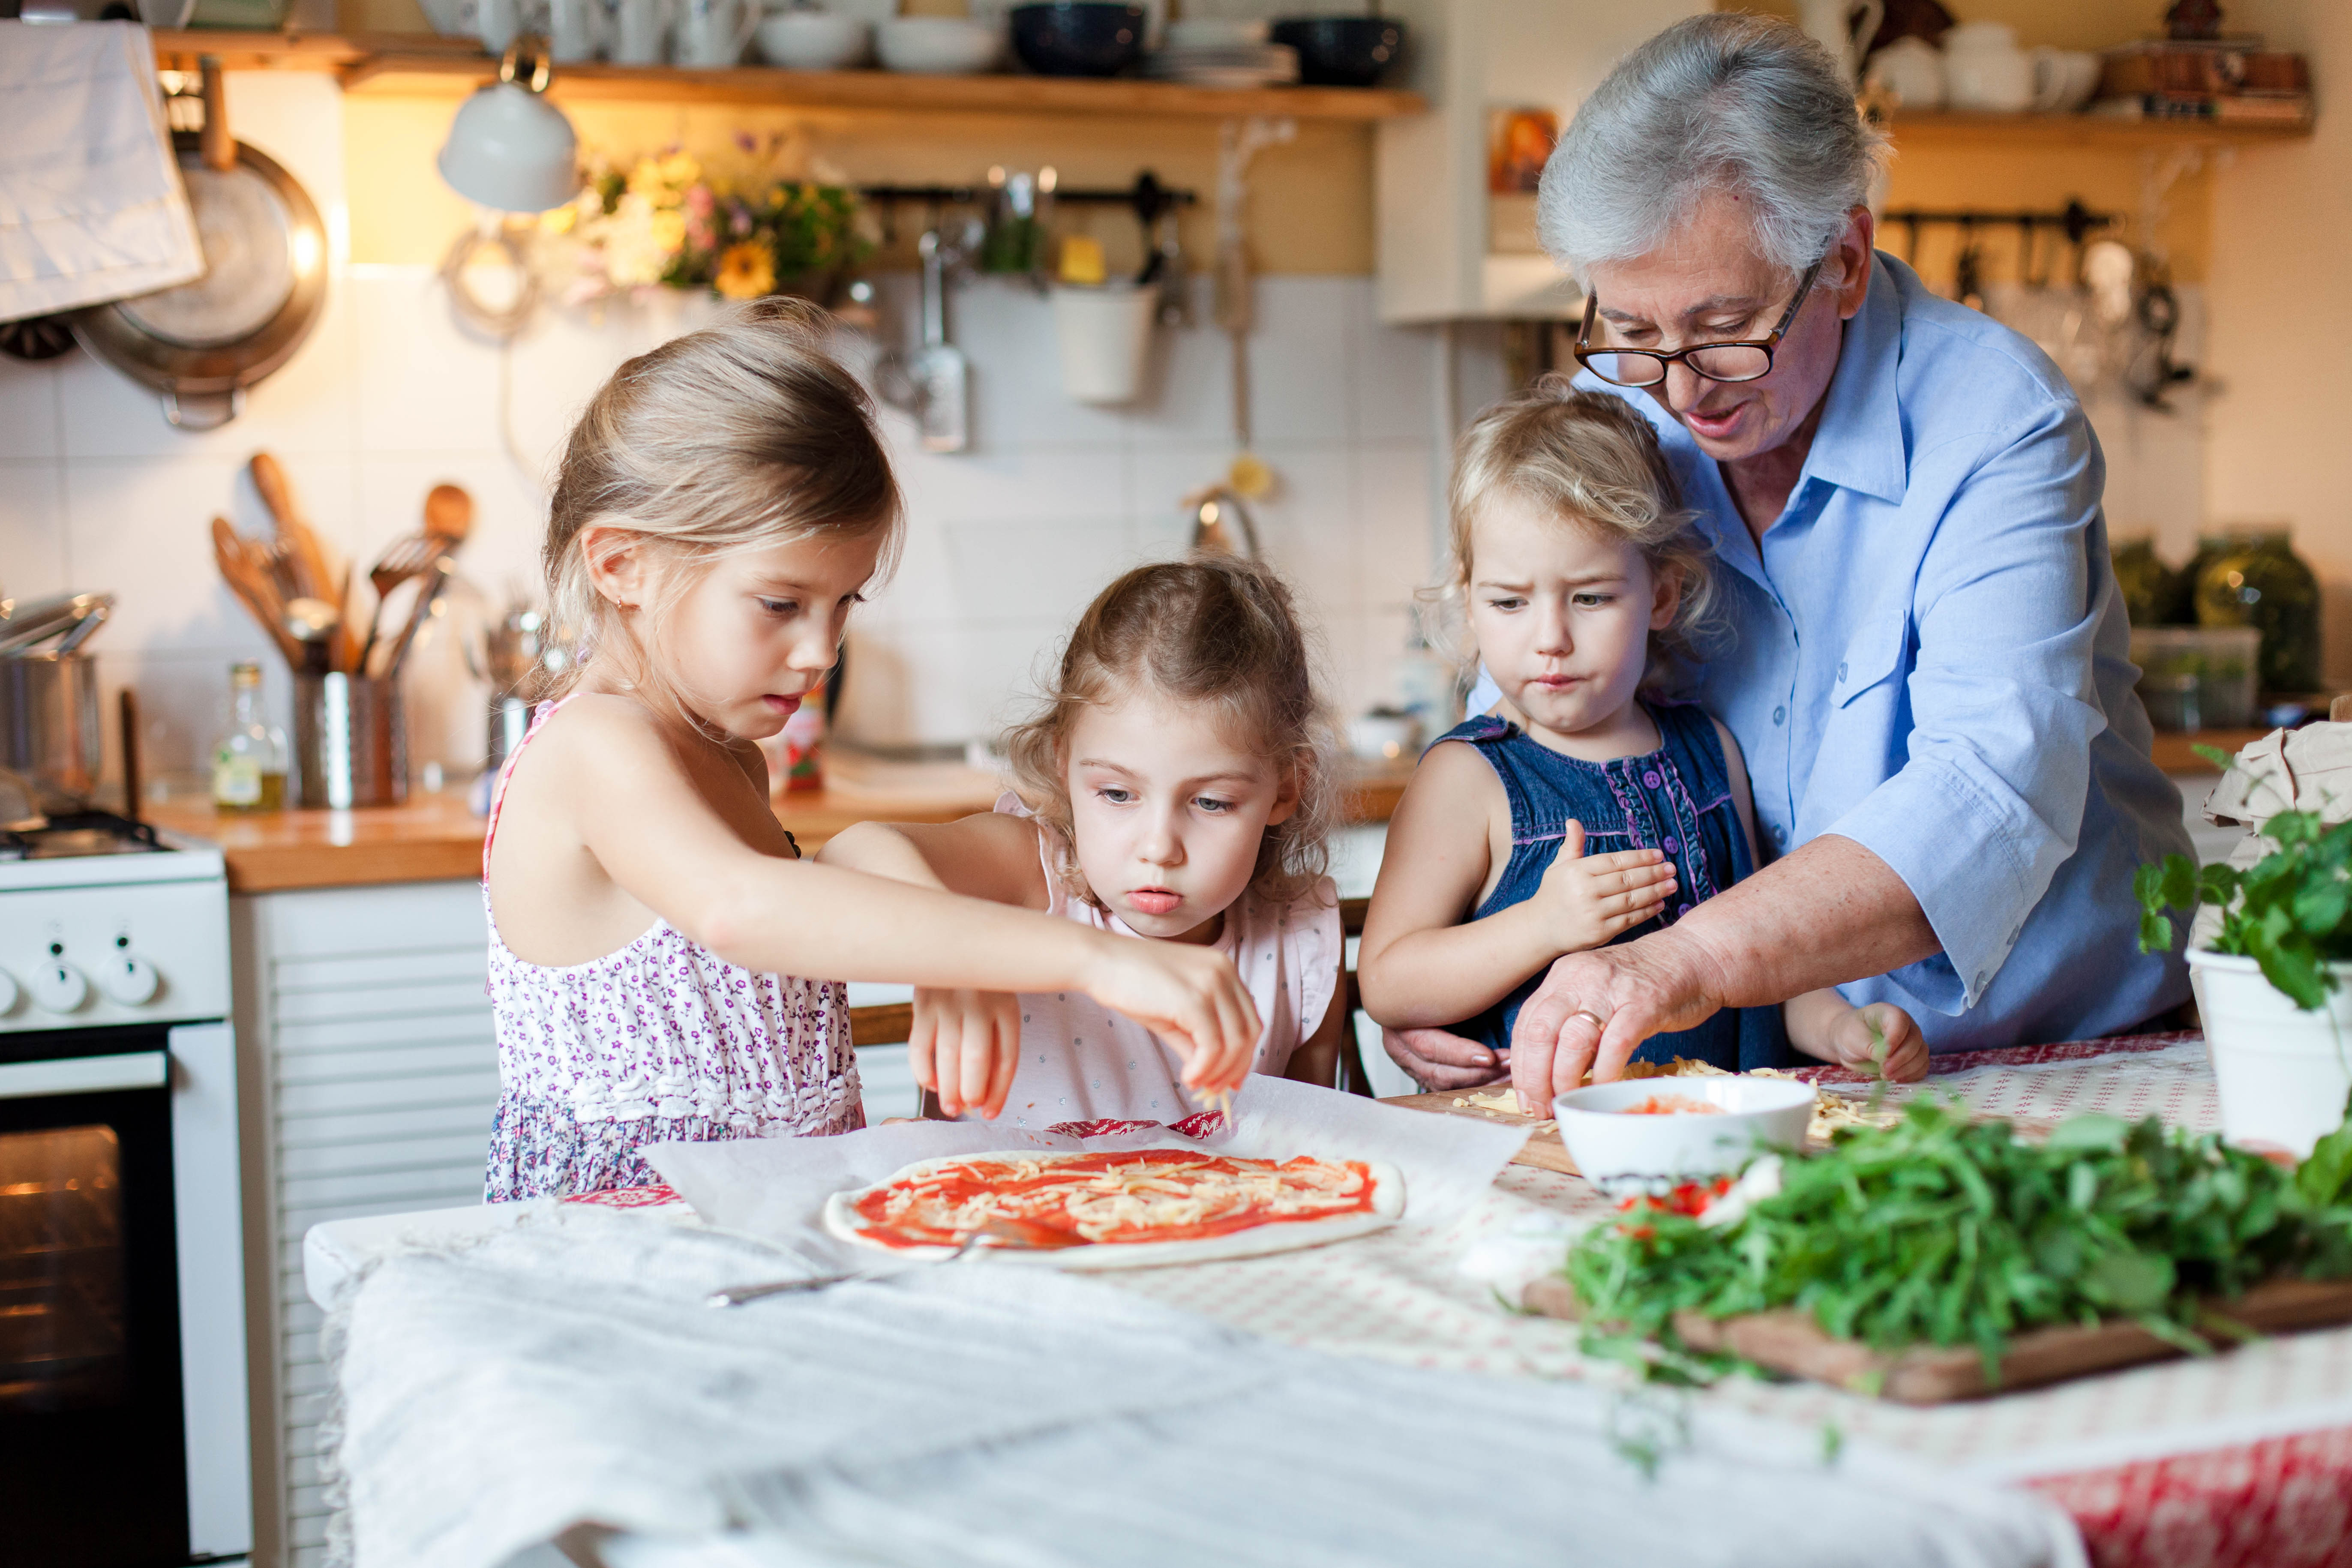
(201, 344)
(48, 726)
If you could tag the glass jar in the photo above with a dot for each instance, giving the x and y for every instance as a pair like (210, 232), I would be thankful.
(2144, 581)
(2260, 582)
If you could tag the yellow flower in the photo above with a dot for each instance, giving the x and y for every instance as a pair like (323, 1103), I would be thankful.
(679, 169)
(746, 271)
(645, 178)
(559, 220)
(668, 227)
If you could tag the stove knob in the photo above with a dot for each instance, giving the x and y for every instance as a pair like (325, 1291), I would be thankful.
(129, 981)
(59, 986)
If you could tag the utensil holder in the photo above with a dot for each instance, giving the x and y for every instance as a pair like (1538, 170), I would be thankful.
(350, 741)
(1104, 335)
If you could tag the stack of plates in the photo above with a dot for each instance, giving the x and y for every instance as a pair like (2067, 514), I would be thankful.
(1224, 64)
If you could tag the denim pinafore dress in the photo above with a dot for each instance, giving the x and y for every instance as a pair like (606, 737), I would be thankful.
(1677, 798)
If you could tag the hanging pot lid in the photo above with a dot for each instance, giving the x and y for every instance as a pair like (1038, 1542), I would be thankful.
(201, 344)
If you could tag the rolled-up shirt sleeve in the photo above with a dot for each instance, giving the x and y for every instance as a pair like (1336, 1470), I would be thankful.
(1990, 802)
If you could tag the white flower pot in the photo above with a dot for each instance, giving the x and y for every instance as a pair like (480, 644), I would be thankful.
(2282, 1073)
(1104, 334)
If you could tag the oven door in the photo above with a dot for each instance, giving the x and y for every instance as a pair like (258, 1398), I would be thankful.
(91, 1391)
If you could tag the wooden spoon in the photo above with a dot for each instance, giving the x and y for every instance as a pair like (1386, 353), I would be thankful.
(319, 572)
(448, 515)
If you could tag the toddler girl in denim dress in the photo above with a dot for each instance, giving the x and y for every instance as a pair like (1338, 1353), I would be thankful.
(1585, 807)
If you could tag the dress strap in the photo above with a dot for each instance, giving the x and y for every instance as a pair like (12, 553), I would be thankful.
(545, 711)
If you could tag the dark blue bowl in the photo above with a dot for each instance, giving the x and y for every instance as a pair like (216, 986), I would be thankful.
(1342, 51)
(1077, 37)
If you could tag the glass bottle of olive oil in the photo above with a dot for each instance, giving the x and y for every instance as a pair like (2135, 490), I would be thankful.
(249, 764)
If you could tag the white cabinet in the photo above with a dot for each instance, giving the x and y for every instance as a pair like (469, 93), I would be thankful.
(369, 1073)
(1438, 232)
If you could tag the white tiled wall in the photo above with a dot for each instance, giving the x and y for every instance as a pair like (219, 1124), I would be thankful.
(1008, 540)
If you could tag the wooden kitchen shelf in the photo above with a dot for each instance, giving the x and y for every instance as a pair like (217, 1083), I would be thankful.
(414, 65)
(2096, 131)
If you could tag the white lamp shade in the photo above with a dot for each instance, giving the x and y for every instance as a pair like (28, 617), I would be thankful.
(511, 149)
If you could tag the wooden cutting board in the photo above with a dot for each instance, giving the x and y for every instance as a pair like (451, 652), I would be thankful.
(1791, 1342)
(1544, 1150)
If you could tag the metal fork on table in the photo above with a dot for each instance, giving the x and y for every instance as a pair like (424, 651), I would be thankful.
(994, 1234)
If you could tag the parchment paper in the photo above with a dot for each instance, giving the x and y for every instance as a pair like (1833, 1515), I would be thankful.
(775, 1188)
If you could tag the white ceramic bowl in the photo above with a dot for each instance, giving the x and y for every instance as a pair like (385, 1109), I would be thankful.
(1620, 1153)
(814, 40)
(937, 46)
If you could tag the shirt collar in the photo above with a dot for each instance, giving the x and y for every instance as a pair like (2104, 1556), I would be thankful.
(1859, 444)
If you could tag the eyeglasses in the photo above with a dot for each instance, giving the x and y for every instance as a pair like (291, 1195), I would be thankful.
(1746, 361)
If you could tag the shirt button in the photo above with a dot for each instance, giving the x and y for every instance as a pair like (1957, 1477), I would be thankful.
(1779, 715)
(1779, 834)
(1650, 779)
(1681, 909)
(1673, 843)
(1841, 669)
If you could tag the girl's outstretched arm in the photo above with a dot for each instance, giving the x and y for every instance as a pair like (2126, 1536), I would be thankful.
(964, 1044)
(619, 782)
(1422, 964)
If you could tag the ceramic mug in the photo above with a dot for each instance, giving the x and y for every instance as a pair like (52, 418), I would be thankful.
(497, 23)
(714, 33)
(640, 31)
(1912, 70)
(577, 29)
(2063, 80)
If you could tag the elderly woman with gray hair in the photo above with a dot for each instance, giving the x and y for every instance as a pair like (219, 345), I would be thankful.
(1928, 667)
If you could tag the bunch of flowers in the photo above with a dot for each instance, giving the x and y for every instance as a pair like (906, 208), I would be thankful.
(664, 223)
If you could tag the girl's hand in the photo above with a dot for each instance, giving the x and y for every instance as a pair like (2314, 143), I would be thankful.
(1880, 1038)
(1588, 899)
(964, 1047)
(1189, 996)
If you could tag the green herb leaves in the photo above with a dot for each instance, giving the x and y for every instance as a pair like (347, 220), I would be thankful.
(2290, 911)
(1945, 1231)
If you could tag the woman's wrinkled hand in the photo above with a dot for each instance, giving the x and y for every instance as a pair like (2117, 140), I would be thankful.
(1594, 1008)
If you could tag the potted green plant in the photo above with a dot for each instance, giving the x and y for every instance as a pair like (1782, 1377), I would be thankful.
(2271, 981)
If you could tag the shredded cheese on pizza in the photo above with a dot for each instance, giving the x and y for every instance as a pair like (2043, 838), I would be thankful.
(1140, 1195)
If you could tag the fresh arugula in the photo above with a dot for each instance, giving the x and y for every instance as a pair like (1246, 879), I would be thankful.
(2290, 911)
(1942, 1231)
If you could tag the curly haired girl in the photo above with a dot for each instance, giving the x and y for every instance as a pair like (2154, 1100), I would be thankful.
(1175, 783)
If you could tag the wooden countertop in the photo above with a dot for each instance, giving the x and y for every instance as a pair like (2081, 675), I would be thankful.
(433, 837)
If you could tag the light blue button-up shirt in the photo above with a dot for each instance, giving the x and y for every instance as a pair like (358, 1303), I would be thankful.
(1929, 656)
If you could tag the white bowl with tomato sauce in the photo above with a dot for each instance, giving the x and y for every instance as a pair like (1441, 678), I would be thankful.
(1650, 1134)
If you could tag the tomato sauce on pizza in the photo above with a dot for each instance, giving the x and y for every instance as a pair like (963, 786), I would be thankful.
(1140, 1195)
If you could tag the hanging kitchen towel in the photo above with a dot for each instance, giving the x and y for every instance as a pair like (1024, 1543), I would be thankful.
(91, 207)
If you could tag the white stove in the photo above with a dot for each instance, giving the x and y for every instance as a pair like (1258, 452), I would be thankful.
(99, 927)
(123, 1372)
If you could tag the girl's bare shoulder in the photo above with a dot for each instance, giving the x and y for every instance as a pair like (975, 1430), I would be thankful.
(1453, 773)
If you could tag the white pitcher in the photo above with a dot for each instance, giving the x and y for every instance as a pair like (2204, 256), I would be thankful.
(715, 32)
(1836, 26)
(641, 31)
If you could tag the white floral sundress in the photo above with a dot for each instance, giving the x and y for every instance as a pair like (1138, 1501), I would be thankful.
(659, 1041)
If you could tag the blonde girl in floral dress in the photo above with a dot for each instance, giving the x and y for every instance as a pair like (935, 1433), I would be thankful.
(723, 503)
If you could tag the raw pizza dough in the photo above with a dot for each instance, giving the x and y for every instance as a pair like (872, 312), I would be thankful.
(842, 1221)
